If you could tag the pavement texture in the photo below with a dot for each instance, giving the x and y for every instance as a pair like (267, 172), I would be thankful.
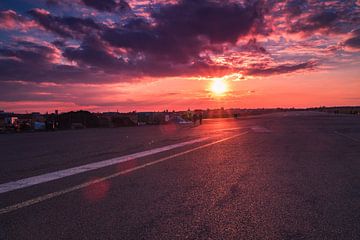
(292, 175)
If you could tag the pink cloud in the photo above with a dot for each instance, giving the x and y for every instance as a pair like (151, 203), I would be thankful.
(10, 20)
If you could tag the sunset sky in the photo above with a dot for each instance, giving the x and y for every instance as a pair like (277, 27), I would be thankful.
(108, 55)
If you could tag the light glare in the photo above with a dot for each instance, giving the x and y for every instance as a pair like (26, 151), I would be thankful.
(219, 87)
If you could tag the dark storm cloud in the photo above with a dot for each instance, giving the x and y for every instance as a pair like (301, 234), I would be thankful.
(326, 16)
(27, 61)
(219, 22)
(323, 19)
(92, 53)
(153, 46)
(295, 7)
(107, 5)
(177, 39)
(253, 46)
(172, 44)
(35, 63)
(354, 41)
(137, 24)
(30, 53)
(69, 27)
(181, 31)
(314, 22)
(281, 69)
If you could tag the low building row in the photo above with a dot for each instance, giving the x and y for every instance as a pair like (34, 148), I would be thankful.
(12, 122)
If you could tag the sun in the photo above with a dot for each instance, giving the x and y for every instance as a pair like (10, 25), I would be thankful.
(219, 87)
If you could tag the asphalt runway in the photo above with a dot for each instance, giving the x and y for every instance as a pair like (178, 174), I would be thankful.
(291, 175)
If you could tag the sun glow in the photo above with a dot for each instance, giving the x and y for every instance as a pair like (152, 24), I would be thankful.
(219, 87)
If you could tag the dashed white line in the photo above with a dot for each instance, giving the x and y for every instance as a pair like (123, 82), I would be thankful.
(83, 185)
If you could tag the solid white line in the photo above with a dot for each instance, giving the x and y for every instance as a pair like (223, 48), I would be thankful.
(346, 136)
(227, 129)
(31, 181)
(259, 129)
(86, 184)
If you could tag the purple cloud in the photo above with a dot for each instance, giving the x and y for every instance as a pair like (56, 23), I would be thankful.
(280, 69)
(27, 61)
(107, 5)
(10, 19)
(322, 20)
(181, 38)
(354, 42)
(69, 27)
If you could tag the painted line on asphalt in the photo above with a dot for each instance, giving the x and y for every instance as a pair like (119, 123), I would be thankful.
(47, 177)
(226, 129)
(260, 129)
(86, 184)
(346, 136)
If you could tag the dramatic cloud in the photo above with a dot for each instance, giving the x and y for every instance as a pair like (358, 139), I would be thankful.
(286, 68)
(93, 53)
(36, 63)
(107, 5)
(174, 39)
(117, 41)
(314, 22)
(181, 31)
(172, 44)
(354, 42)
(295, 7)
(64, 26)
(9, 19)
(219, 22)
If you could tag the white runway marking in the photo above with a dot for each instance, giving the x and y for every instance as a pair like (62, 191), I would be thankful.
(226, 129)
(346, 136)
(80, 186)
(31, 181)
(259, 129)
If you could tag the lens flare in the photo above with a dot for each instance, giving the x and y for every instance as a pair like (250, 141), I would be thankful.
(219, 87)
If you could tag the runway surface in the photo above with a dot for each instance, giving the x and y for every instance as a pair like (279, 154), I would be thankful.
(291, 175)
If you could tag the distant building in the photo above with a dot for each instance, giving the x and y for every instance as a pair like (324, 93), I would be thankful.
(125, 119)
(11, 120)
(85, 118)
(2, 124)
(37, 117)
(154, 118)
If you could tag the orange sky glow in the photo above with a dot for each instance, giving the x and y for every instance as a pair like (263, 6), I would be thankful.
(149, 56)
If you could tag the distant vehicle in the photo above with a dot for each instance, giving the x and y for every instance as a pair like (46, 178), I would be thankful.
(39, 126)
